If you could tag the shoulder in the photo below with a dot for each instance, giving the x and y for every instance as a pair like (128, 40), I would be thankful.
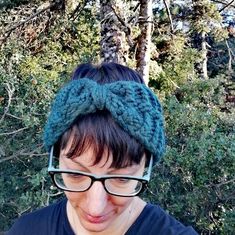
(39, 221)
(154, 220)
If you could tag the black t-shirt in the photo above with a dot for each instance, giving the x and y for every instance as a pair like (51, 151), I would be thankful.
(53, 220)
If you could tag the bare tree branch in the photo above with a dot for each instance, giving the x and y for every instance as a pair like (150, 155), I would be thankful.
(49, 195)
(28, 19)
(119, 18)
(224, 3)
(78, 10)
(230, 57)
(9, 31)
(127, 28)
(169, 15)
(23, 153)
(143, 52)
(227, 5)
(10, 92)
(218, 185)
(13, 132)
(13, 116)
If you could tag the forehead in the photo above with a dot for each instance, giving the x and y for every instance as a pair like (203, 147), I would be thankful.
(88, 157)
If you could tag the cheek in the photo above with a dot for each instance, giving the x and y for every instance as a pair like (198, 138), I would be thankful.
(121, 203)
(75, 198)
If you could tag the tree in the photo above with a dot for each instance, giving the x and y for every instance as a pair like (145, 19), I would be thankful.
(117, 39)
(206, 19)
(144, 40)
(113, 28)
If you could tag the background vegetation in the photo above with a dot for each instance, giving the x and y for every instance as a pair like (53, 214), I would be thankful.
(195, 180)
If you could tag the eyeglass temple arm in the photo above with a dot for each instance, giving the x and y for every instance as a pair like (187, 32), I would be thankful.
(150, 168)
(50, 167)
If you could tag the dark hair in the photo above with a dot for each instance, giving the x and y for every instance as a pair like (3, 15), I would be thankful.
(106, 73)
(99, 130)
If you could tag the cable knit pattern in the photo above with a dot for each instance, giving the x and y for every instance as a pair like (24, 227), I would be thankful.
(132, 105)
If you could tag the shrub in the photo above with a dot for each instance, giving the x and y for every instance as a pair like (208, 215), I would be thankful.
(195, 180)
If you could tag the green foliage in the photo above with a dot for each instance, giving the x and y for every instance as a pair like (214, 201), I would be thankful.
(218, 61)
(177, 64)
(206, 16)
(23, 109)
(195, 181)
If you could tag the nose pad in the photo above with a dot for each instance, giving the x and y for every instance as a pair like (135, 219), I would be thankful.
(97, 199)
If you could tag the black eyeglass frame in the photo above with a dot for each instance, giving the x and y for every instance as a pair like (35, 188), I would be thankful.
(144, 180)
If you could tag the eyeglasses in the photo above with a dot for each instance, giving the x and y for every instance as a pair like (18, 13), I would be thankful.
(79, 181)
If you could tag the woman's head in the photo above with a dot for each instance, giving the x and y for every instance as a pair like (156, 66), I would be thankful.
(103, 125)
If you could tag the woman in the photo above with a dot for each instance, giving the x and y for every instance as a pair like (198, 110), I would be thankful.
(104, 133)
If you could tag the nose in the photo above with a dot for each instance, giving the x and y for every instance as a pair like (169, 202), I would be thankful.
(97, 199)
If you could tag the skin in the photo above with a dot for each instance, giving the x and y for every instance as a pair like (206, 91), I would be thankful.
(95, 211)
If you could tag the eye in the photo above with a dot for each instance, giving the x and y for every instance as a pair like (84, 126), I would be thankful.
(124, 180)
(74, 175)
(121, 180)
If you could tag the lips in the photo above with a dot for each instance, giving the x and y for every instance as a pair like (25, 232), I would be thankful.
(96, 219)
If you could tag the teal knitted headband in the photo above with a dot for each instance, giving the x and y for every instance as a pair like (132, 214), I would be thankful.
(132, 105)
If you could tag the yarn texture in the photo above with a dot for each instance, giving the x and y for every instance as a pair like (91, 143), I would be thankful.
(132, 105)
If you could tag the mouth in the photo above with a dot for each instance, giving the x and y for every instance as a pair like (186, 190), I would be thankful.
(96, 219)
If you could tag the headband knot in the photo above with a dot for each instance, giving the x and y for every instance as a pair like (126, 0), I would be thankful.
(99, 95)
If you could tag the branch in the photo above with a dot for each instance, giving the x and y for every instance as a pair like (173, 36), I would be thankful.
(126, 26)
(25, 210)
(174, 84)
(218, 185)
(78, 10)
(10, 92)
(224, 3)
(13, 132)
(28, 19)
(13, 116)
(227, 5)
(8, 31)
(22, 153)
(52, 195)
(169, 15)
(121, 20)
(230, 57)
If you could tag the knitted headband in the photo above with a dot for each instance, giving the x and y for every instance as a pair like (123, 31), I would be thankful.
(132, 105)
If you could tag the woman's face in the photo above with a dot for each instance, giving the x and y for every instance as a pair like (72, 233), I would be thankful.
(95, 209)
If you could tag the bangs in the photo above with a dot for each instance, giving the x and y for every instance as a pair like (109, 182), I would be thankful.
(99, 131)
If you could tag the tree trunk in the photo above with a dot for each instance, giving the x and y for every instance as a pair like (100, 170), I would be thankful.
(204, 56)
(144, 41)
(113, 42)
